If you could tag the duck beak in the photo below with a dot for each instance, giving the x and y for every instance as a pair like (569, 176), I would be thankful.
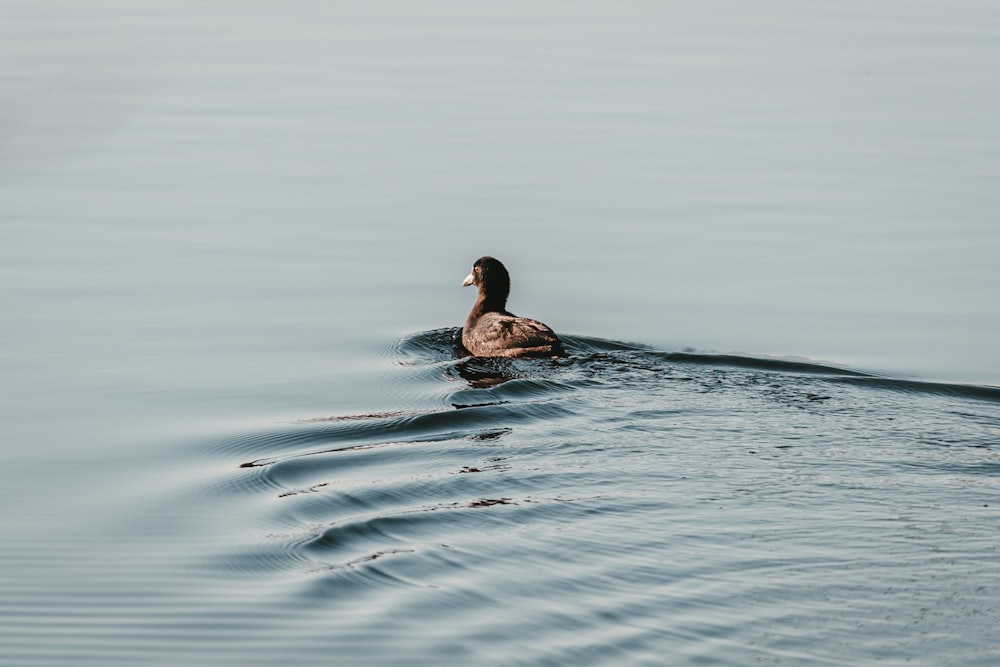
(467, 281)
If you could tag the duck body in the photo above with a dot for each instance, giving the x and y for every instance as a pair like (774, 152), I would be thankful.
(491, 331)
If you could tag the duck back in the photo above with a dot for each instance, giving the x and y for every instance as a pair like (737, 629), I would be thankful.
(504, 335)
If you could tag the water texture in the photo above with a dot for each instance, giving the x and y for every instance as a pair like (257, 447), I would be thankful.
(620, 506)
(222, 445)
(626, 506)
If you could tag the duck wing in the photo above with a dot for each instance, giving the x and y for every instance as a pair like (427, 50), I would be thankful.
(504, 335)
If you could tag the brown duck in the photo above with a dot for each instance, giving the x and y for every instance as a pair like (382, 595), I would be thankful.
(491, 331)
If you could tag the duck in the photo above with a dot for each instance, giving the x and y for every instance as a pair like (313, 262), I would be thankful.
(491, 330)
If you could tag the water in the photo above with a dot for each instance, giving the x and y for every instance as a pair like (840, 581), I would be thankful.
(234, 428)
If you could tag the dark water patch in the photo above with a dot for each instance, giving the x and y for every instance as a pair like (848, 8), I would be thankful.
(589, 345)
(977, 392)
(766, 364)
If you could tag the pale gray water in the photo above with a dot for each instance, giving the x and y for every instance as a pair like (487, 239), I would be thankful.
(217, 219)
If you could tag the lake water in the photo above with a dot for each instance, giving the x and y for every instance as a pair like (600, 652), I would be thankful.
(234, 427)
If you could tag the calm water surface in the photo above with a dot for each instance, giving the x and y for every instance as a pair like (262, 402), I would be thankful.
(234, 427)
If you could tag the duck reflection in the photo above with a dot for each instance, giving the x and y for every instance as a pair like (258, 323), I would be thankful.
(485, 372)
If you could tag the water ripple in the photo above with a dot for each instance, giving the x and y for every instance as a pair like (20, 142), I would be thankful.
(624, 503)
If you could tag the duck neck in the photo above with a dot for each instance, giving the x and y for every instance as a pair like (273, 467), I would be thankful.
(490, 303)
